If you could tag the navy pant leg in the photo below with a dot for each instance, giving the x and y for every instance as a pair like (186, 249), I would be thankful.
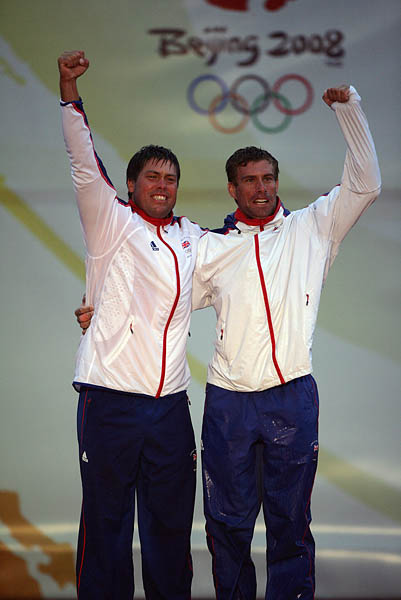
(289, 417)
(230, 488)
(126, 442)
(166, 496)
(285, 420)
(109, 438)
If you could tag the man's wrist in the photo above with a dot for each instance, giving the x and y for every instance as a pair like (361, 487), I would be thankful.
(69, 90)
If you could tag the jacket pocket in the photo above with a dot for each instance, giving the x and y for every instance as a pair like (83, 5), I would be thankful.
(220, 336)
(123, 339)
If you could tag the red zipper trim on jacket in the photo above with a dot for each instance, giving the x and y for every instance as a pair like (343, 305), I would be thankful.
(177, 274)
(269, 318)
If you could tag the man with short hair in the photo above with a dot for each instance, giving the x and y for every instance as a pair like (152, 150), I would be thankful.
(134, 428)
(264, 278)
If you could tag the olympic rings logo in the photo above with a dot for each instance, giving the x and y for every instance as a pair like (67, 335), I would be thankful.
(258, 105)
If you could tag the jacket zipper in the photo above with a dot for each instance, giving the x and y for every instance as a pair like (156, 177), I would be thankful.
(177, 297)
(268, 314)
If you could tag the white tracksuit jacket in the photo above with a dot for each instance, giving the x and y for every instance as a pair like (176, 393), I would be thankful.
(265, 282)
(138, 277)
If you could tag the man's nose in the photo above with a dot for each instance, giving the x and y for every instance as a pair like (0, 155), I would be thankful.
(260, 185)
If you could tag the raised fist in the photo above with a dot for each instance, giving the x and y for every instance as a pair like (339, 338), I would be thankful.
(338, 94)
(72, 64)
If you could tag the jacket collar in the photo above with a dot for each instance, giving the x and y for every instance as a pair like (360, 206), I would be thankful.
(239, 216)
(153, 220)
(235, 221)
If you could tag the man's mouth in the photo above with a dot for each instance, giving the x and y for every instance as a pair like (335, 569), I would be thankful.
(159, 197)
(261, 200)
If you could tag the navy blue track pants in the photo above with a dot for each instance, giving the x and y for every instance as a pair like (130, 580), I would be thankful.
(284, 420)
(131, 443)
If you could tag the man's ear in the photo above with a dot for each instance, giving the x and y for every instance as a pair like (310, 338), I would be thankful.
(131, 185)
(277, 185)
(232, 190)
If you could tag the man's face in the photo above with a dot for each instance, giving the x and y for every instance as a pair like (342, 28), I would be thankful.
(255, 191)
(155, 190)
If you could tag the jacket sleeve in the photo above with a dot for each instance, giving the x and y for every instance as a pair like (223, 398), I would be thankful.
(102, 217)
(333, 215)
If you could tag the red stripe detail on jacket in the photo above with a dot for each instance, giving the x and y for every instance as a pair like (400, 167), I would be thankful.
(269, 318)
(177, 274)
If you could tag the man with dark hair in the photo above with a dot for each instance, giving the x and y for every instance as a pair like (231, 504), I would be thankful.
(134, 428)
(151, 152)
(243, 156)
(264, 278)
